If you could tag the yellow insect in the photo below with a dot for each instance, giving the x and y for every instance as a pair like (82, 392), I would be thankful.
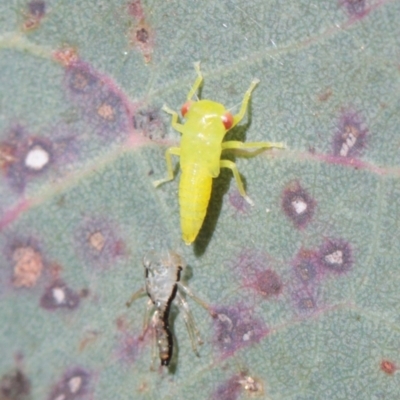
(200, 150)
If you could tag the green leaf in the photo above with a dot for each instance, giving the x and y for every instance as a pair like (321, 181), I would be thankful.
(304, 284)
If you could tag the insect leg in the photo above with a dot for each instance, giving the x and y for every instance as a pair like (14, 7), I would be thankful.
(235, 144)
(185, 289)
(146, 318)
(197, 82)
(172, 150)
(154, 341)
(238, 117)
(232, 166)
(194, 333)
(141, 292)
(174, 121)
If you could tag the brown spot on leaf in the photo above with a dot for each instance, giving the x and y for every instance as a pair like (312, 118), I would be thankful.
(106, 111)
(388, 367)
(28, 266)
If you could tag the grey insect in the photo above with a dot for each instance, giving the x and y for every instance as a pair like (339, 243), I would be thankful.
(163, 286)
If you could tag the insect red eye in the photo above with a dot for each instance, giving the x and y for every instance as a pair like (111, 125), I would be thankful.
(227, 120)
(185, 108)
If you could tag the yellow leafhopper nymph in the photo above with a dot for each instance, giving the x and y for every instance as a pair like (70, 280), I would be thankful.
(201, 146)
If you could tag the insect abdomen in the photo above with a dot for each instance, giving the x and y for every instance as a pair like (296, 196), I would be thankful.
(163, 335)
(194, 196)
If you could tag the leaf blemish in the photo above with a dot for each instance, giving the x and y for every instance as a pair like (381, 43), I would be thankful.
(305, 300)
(24, 157)
(305, 266)
(81, 80)
(28, 266)
(232, 388)
(129, 347)
(253, 268)
(228, 390)
(66, 55)
(98, 242)
(238, 202)
(149, 123)
(100, 102)
(335, 255)
(298, 205)
(110, 116)
(26, 261)
(388, 367)
(73, 385)
(356, 8)
(351, 135)
(235, 327)
(141, 35)
(36, 10)
(15, 386)
(59, 295)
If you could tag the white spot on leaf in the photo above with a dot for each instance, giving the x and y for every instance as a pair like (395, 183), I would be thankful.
(37, 158)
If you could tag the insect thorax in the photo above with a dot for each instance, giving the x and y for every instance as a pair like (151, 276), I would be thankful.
(161, 278)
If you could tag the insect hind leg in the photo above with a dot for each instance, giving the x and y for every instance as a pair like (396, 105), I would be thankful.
(232, 166)
(170, 172)
(194, 333)
(197, 299)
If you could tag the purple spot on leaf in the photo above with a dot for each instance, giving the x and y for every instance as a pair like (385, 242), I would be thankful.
(98, 242)
(100, 102)
(73, 385)
(335, 255)
(351, 136)
(149, 123)
(253, 268)
(305, 266)
(235, 327)
(37, 8)
(305, 300)
(59, 295)
(81, 81)
(238, 202)
(228, 390)
(24, 157)
(298, 205)
(354, 7)
(15, 386)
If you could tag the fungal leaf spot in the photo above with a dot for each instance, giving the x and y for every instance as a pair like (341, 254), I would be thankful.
(388, 367)
(23, 157)
(335, 255)
(81, 80)
(228, 390)
(252, 266)
(355, 8)
(15, 386)
(298, 205)
(235, 328)
(35, 12)
(305, 266)
(59, 295)
(98, 242)
(141, 35)
(149, 123)
(66, 56)
(28, 266)
(73, 385)
(351, 135)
